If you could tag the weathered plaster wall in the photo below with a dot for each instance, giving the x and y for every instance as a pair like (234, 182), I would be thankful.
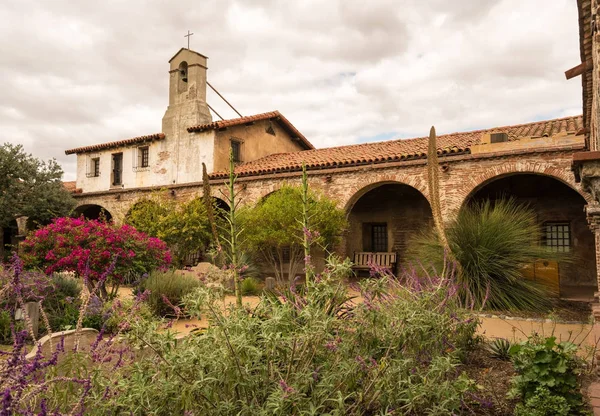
(530, 143)
(256, 143)
(173, 160)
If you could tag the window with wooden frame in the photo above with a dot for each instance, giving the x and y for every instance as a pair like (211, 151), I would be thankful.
(93, 167)
(143, 156)
(375, 237)
(236, 150)
(117, 169)
(96, 167)
(556, 236)
(379, 237)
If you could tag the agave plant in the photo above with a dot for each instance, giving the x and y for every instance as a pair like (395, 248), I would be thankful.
(491, 242)
(500, 349)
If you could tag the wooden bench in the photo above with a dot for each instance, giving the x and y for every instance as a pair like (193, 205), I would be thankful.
(364, 260)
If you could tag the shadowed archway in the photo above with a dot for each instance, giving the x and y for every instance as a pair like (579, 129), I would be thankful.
(384, 218)
(559, 211)
(92, 212)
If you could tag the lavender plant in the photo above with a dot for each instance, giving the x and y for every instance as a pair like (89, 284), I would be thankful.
(309, 352)
(55, 379)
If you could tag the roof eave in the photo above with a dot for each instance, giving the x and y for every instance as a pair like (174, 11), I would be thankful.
(116, 144)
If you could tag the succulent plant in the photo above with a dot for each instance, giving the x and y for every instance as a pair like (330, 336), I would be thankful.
(499, 348)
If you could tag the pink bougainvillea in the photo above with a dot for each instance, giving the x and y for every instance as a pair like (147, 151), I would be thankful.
(88, 247)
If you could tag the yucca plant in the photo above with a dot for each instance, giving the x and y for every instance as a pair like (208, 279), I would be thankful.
(500, 349)
(491, 242)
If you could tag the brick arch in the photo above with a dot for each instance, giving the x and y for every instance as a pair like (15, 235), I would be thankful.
(272, 188)
(476, 182)
(93, 210)
(362, 186)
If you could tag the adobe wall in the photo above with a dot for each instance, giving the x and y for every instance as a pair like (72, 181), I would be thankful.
(255, 141)
(460, 177)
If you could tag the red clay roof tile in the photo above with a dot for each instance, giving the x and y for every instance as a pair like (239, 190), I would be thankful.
(275, 115)
(395, 150)
(119, 143)
(71, 186)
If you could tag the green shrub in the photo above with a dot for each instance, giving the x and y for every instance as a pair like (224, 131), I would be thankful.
(170, 285)
(62, 304)
(547, 371)
(307, 352)
(5, 329)
(491, 243)
(119, 311)
(544, 403)
(183, 226)
(271, 230)
(251, 287)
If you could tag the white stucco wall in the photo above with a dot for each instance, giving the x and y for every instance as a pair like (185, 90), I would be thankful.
(172, 161)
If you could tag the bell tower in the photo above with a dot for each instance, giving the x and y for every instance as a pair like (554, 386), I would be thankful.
(187, 93)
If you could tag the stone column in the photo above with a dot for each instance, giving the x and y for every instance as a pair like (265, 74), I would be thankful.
(593, 217)
(21, 231)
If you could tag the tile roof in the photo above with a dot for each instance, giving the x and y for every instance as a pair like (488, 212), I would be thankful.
(396, 150)
(272, 115)
(186, 49)
(119, 143)
(585, 49)
(71, 186)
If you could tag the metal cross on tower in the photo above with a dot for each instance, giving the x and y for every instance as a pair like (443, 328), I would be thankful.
(188, 38)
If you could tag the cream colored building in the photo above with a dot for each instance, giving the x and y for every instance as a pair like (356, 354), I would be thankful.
(189, 138)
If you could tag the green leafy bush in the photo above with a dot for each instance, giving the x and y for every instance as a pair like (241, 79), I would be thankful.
(308, 352)
(491, 242)
(62, 304)
(547, 371)
(251, 287)
(271, 230)
(167, 289)
(5, 329)
(544, 403)
(183, 226)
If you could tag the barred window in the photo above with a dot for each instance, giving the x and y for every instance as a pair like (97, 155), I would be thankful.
(557, 236)
(236, 149)
(379, 238)
(96, 166)
(144, 157)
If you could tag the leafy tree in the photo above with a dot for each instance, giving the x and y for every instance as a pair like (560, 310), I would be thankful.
(274, 226)
(491, 242)
(31, 187)
(183, 226)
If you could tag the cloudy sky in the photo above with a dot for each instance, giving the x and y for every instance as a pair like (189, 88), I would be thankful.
(74, 73)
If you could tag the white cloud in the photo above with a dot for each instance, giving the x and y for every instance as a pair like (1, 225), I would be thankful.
(77, 73)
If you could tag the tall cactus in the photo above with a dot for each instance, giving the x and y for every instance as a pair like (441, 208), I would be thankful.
(233, 232)
(433, 179)
(210, 212)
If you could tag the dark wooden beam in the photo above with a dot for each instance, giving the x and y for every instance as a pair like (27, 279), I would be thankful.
(579, 69)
